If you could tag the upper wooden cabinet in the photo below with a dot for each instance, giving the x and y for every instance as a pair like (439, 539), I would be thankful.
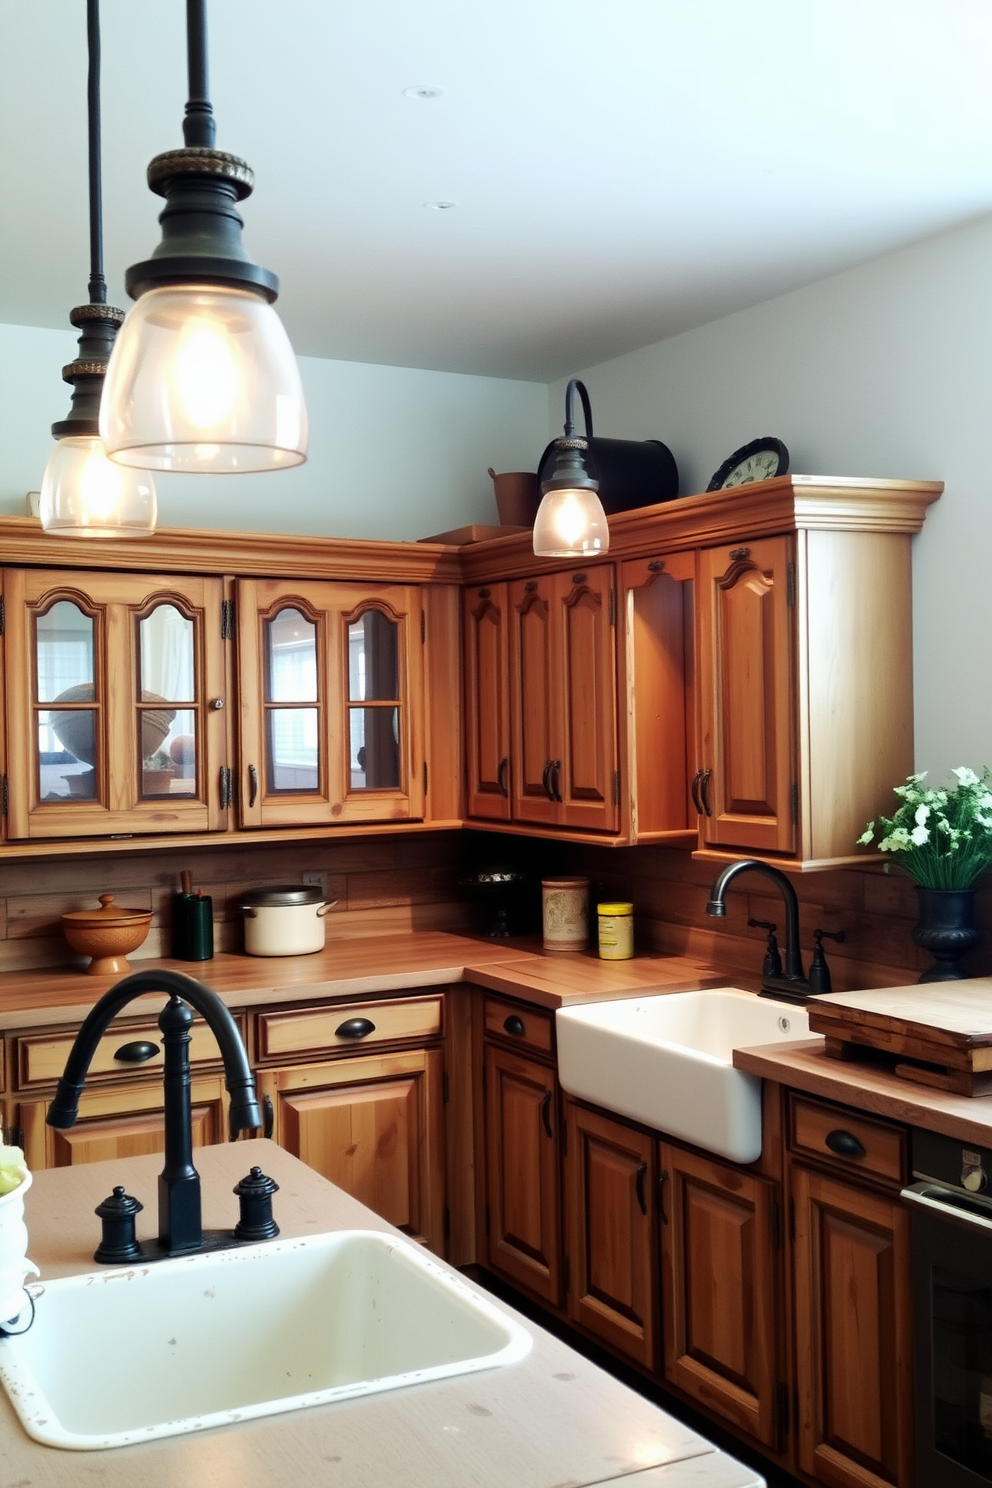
(115, 696)
(331, 691)
(485, 631)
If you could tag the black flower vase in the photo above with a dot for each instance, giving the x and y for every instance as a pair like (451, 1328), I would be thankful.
(946, 930)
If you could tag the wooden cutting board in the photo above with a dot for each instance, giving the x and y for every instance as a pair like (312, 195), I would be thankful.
(939, 1034)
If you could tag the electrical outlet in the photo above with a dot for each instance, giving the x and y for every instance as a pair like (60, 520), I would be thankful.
(320, 879)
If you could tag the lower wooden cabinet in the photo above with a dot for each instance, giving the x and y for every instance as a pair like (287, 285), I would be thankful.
(719, 1248)
(374, 1126)
(523, 1196)
(853, 1333)
(117, 1121)
(610, 1231)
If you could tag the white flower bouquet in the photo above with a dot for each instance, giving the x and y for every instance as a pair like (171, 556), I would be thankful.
(942, 839)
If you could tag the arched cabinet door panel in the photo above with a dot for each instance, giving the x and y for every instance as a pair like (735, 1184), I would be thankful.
(332, 703)
(116, 685)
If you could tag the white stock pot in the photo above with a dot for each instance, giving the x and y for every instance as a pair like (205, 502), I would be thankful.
(285, 921)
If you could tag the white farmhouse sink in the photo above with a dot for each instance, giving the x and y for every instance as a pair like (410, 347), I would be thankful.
(667, 1060)
(127, 1355)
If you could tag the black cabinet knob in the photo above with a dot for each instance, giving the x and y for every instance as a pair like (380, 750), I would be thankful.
(515, 1025)
(355, 1028)
(137, 1052)
(844, 1143)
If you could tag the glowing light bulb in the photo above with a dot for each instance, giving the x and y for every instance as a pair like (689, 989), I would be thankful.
(87, 495)
(206, 374)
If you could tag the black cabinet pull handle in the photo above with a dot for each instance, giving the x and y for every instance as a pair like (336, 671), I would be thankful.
(844, 1143)
(662, 1180)
(704, 791)
(515, 1025)
(501, 776)
(137, 1052)
(556, 780)
(546, 778)
(696, 799)
(269, 1117)
(252, 785)
(639, 1185)
(355, 1028)
(656, 565)
(546, 1113)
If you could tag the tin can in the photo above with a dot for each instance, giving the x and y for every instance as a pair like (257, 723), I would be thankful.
(616, 931)
(566, 913)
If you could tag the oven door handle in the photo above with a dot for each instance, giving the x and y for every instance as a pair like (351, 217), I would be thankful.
(921, 1195)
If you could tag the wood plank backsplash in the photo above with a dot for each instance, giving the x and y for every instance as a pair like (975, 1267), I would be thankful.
(383, 885)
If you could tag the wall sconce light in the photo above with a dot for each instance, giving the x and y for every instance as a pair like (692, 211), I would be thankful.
(570, 520)
(202, 377)
(83, 494)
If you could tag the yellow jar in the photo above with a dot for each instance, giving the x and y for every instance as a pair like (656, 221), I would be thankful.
(616, 931)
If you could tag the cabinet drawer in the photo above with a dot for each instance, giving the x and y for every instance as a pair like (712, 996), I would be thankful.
(346, 1025)
(39, 1058)
(847, 1141)
(529, 1027)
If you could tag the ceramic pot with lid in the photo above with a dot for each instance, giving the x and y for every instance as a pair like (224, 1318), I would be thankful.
(287, 920)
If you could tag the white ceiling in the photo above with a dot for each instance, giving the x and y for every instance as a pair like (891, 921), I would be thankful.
(622, 169)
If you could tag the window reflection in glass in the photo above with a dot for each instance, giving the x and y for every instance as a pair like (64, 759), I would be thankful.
(67, 735)
(292, 752)
(373, 658)
(375, 749)
(167, 674)
(290, 659)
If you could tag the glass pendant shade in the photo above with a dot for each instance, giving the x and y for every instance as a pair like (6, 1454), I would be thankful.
(570, 523)
(202, 378)
(86, 495)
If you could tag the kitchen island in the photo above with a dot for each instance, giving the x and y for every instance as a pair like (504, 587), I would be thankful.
(552, 1419)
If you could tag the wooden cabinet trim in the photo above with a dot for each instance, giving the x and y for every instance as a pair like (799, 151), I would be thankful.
(39, 1058)
(885, 1146)
(306, 1031)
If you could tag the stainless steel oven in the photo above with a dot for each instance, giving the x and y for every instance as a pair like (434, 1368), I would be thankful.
(951, 1203)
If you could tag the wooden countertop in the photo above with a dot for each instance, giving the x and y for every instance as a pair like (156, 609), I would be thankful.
(551, 1419)
(359, 968)
(805, 1066)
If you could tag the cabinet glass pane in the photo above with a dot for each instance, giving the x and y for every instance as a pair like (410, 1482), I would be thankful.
(290, 659)
(64, 654)
(67, 753)
(167, 674)
(292, 753)
(373, 658)
(375, 748)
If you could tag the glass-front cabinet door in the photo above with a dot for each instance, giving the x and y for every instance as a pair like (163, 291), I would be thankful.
(331, 690)
(115, 689)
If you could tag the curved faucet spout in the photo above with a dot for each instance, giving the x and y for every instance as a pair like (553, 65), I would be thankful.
(715, 907)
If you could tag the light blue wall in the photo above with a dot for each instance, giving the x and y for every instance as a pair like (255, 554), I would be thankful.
(885, 370)
(395, 452)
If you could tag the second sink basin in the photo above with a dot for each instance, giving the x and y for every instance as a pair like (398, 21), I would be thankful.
(667, 1061)
(122, 1356)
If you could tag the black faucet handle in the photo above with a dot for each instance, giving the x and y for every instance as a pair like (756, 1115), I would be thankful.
(772, 964)
(819, 972)
(837, 935)
(255, 1197)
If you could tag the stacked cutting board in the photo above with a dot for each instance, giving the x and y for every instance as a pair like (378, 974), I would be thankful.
(939, 1034)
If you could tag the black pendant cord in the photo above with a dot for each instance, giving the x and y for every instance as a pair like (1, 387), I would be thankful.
(576, 386)
(199, 127)
(98, 284)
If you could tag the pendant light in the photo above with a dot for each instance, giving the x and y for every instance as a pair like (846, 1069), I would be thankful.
(571, 522)
(202, 377)
(82, 493)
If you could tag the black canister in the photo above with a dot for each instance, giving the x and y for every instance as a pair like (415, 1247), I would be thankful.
(630, 472)
(192, 924)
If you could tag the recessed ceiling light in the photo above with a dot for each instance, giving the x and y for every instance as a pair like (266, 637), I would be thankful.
(440, 206)
(423, 91)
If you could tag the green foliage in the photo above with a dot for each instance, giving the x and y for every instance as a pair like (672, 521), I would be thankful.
(941, 838)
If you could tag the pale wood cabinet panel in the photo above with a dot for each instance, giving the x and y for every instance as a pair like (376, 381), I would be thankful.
(149, 763)
(374, 1126)
(720, 1295)
(610, 1232)
(853, 1333)
(747, 696)
(487, 700)
(522, 1180)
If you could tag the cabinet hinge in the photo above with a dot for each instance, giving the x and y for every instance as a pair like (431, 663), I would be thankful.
(790, 584)
(226, 787)
(423, 627)
(4, 802)
(3, 615)
(227, 619)
(794, 802)
(613, 607)
(616, 787)
(444, 1087)
(447, 1223)
(425, 777)
(783, 1412)
(776, 1225)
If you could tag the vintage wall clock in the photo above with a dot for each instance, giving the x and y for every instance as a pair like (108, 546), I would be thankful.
(757, 461)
